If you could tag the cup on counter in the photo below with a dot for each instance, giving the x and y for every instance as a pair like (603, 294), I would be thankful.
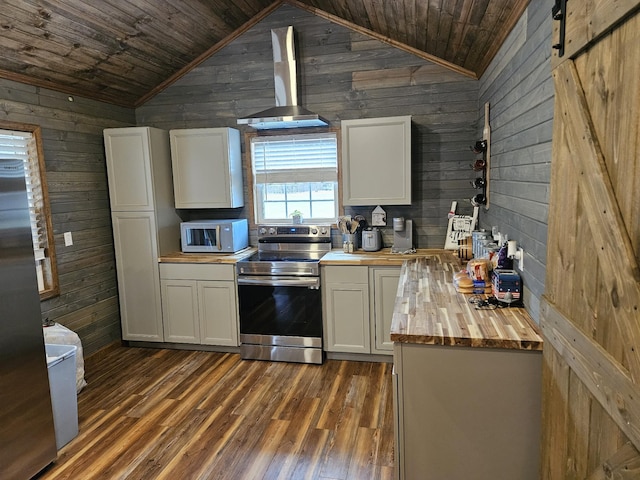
(349, 242)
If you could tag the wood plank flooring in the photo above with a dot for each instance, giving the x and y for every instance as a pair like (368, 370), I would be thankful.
(175, 414)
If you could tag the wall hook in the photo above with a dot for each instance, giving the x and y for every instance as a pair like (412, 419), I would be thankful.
(479, 147)
(559, 13)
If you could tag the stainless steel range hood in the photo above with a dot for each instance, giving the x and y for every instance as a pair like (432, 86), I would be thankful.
(287, 113)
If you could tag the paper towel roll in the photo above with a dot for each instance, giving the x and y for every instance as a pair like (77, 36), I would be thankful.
(512, 248)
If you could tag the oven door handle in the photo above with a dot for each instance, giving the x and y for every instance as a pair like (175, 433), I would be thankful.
(311, 282)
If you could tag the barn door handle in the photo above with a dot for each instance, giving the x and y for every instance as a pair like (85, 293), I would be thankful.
(559, 13)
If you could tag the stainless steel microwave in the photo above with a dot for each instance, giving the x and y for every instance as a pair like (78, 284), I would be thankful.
(214, 236)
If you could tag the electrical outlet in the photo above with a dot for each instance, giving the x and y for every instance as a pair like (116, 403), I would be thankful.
(520, 258)
(68, 239)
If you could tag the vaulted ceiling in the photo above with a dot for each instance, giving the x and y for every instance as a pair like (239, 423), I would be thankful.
(124, 52)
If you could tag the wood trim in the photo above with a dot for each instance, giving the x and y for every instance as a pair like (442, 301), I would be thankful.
(249, 169)
(382, 38)
(555, 432)
(340, 197)
(605, 378)
(211, 51)
(264, 133)
(615, 252)
(587, 22)
(36, 130)
(54, 288)
(625, 463)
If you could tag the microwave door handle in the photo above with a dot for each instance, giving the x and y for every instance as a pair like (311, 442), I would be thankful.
(218, 241)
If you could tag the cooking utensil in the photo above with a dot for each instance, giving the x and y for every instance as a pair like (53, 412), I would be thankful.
(343, 223)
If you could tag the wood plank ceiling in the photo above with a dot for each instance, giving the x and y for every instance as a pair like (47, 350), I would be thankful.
(124, 52)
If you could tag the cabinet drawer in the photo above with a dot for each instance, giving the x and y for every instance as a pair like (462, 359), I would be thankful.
(191, 271)
(346, 274)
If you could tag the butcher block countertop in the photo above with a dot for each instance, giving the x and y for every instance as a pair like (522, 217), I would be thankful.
(233, 258)
(380, 258)
(429, 310)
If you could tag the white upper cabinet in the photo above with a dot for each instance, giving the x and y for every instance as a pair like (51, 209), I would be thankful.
(207, 168)
(376, 161)
(131, 167)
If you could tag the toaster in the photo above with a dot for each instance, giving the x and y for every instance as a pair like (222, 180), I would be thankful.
(371, 240)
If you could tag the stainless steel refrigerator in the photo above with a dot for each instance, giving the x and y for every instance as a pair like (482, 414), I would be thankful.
(27, 435)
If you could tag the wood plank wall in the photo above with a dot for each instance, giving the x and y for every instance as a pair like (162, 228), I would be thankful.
(343, 75)
(519, 88)
(76, 176)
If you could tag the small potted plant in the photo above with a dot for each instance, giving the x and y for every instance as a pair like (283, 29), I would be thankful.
(296, 216)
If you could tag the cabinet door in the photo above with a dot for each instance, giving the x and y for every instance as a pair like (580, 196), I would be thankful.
(207, 170)
(218, 313)
(385, 288)
(347, 318)
(346, 309)
(376, 161)
(180, 311)
(134, 238)
(129, 168)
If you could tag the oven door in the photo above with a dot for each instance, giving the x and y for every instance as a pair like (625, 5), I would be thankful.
(280, 318)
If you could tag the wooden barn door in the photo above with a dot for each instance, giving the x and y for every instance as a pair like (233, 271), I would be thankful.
(591, 307)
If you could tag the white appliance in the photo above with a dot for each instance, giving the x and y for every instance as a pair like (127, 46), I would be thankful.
(402, 235)
(371, 240)
(214, 236)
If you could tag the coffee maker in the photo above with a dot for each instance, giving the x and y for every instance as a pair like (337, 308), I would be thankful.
(402, 235)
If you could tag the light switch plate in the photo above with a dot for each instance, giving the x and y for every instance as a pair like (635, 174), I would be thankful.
(68, 239)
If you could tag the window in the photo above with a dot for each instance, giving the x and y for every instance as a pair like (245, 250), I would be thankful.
(295, 173)
(23, 142)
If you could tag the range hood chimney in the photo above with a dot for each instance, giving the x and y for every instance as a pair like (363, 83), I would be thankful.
(287, 113)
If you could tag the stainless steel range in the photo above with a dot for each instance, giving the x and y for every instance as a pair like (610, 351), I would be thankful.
(279, 294)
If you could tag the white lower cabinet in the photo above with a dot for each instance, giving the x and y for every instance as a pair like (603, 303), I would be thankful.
(136, 247)
(358, 306)
(383, 282)
(346, 309)
(180, 315)
(217, 305)
(199, 304)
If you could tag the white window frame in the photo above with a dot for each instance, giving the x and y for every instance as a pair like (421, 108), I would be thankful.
(329, 172)
(24, 141)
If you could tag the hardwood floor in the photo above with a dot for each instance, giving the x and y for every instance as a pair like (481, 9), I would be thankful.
(175, 414)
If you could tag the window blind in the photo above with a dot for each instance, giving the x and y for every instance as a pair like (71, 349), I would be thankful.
(22, 145)
(295, 158)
